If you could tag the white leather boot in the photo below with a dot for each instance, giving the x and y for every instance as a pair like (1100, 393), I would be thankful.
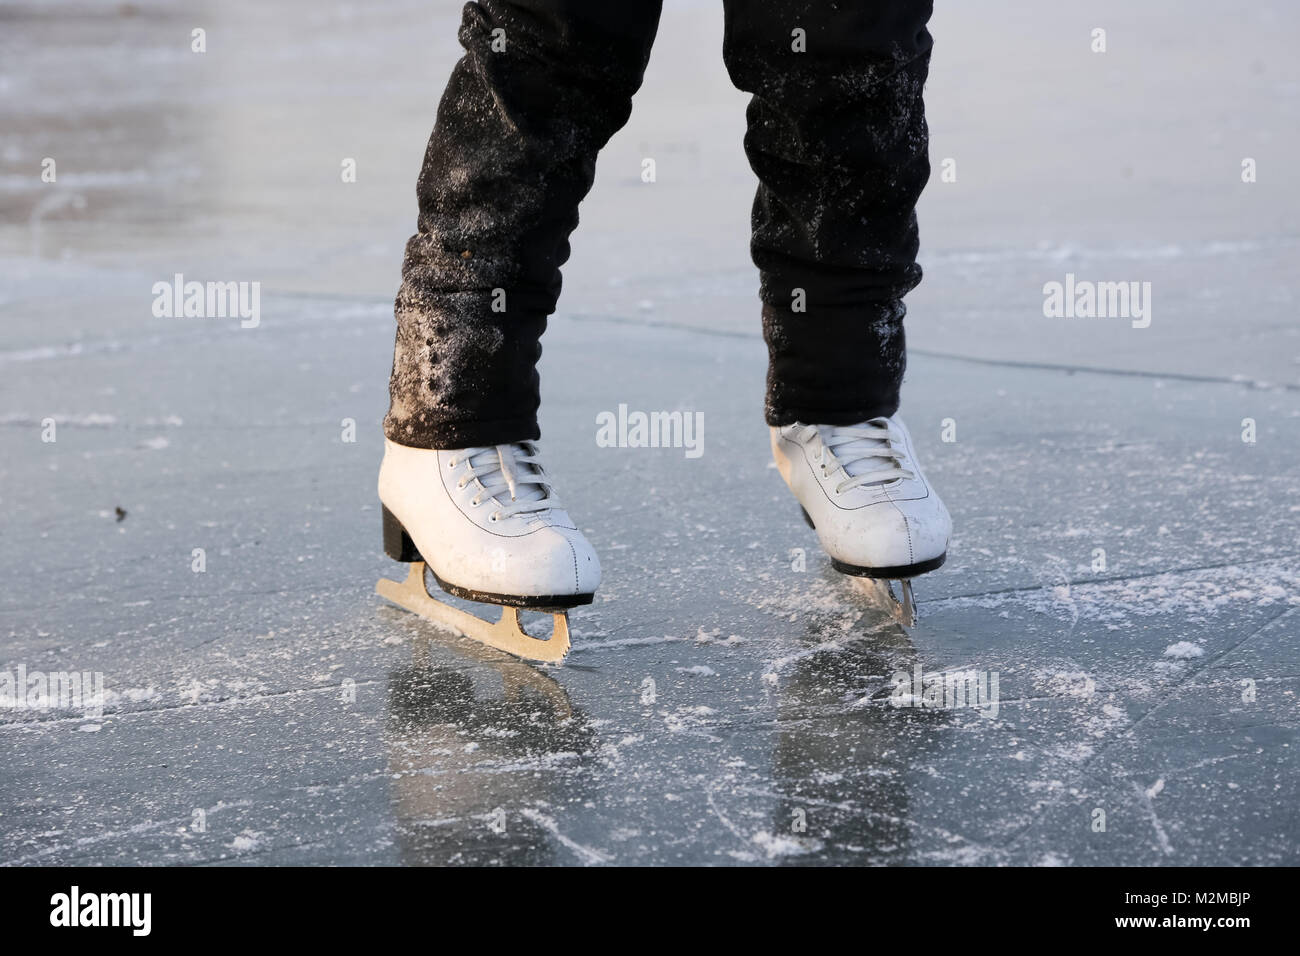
(864, 493)
(487, 524)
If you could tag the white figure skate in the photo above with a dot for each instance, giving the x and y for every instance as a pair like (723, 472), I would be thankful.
(866, 497)
(487, 524)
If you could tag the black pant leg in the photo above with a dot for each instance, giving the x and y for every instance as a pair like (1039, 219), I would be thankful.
(541, 88)
(838, 139)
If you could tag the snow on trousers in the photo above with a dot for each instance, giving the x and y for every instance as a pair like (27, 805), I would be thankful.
(836, 135)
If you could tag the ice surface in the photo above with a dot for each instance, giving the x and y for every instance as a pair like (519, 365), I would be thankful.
(730, 699)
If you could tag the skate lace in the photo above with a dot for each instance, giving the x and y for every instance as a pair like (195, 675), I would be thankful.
(510, 475)
(870, 453)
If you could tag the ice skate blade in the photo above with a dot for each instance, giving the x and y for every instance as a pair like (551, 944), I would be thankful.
(506, 634)
(904, 610)
(882, 591)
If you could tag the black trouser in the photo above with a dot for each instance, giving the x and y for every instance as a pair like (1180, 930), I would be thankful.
(837, 136)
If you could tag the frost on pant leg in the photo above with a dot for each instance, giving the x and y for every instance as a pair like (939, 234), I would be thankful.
(541, 88)
(838, 139)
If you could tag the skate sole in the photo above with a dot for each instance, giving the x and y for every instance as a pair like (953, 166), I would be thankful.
(896, 573)
(399, 546)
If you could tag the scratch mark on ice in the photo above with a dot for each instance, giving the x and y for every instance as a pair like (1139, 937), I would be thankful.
(586, 854)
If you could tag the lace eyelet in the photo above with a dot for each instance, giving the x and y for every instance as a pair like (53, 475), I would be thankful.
(474, 502)
(493, 516)
(451, 462)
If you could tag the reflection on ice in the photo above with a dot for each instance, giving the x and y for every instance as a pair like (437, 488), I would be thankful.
(472, 737)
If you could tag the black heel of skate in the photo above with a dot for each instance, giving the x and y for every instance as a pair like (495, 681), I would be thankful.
(397, 543)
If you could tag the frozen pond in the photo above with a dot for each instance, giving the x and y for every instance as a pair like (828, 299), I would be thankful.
(204, 533)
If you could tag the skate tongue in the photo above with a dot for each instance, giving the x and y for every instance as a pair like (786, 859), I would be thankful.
(507, 477)
(855, 455)
(864, 452)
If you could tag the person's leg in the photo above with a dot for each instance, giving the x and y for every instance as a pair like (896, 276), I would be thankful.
(838, 138)
(542, 87)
